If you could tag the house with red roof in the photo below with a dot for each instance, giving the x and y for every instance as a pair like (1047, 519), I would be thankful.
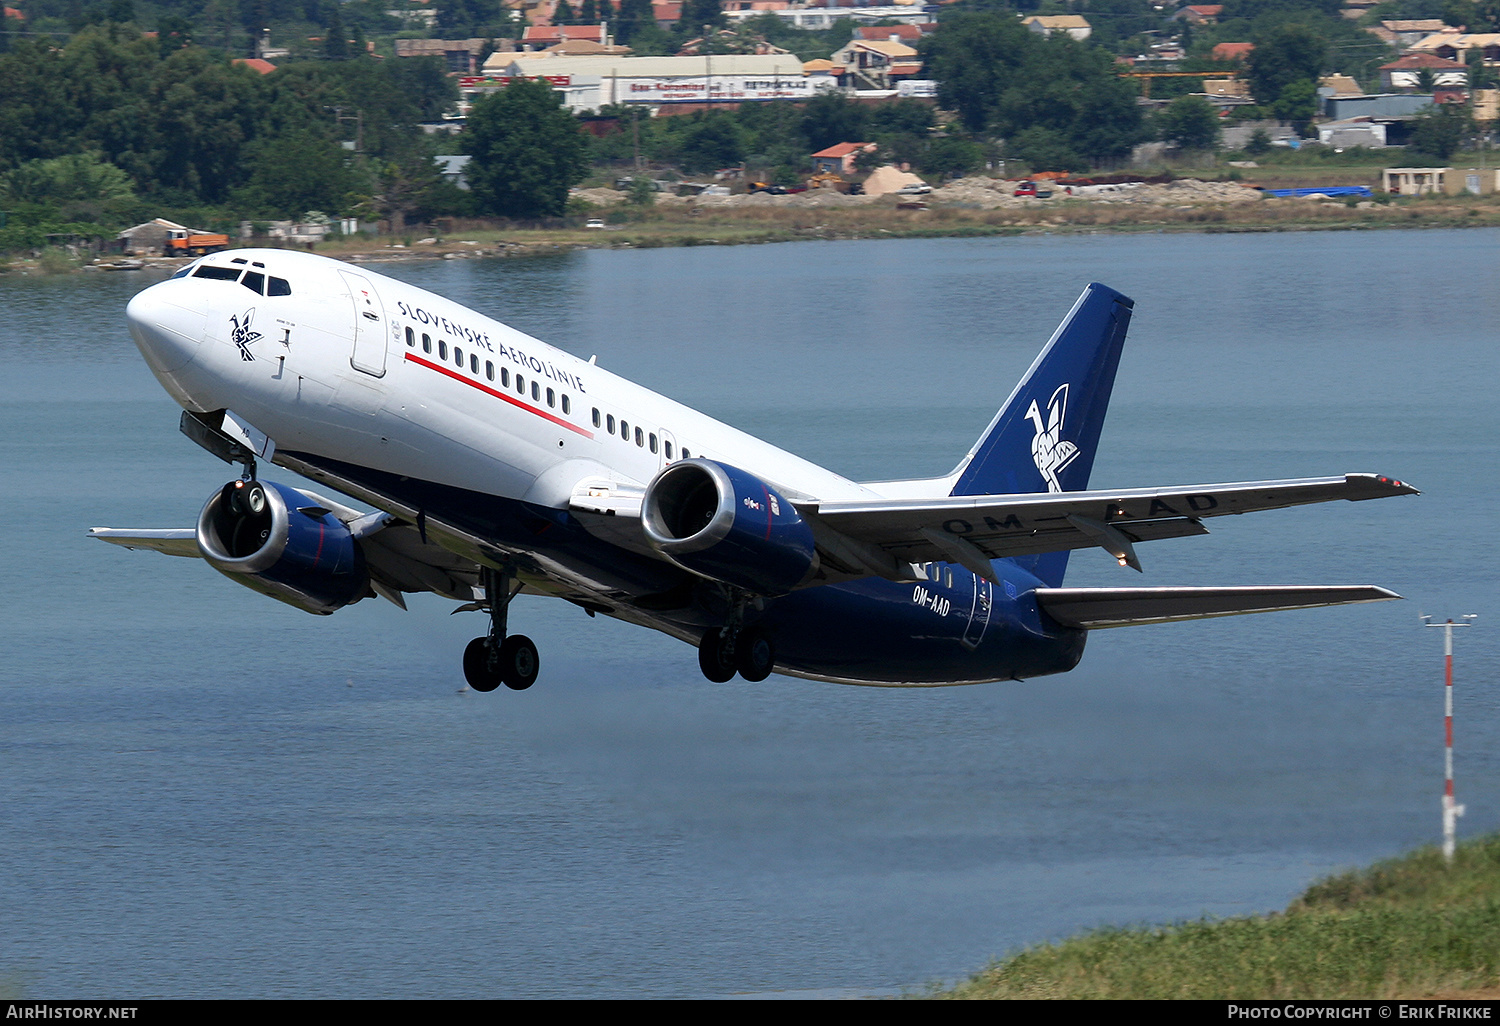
(839, 158)
(1232, 51)
(1405, 73)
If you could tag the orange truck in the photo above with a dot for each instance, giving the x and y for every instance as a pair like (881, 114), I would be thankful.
(189, 243)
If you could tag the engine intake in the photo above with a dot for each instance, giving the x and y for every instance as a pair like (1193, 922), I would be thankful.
(281, 543)
(723, 523)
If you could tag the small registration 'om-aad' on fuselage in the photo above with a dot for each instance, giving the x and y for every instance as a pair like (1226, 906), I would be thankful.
(497, 464)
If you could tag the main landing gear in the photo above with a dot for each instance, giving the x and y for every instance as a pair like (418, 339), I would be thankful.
(496, 659)
(734, 648)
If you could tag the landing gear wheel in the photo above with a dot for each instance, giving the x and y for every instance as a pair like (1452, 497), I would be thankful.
(519, 662)
(755, 655)
(715, 658)
(477, 669)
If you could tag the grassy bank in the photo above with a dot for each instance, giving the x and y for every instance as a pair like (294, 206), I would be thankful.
(690, 225)
(1408, 928)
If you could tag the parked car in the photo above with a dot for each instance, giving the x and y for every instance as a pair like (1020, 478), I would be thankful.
(1030, 188)
(914, 189)
(594, 222)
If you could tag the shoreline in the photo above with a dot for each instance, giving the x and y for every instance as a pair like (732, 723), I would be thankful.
(716, 225)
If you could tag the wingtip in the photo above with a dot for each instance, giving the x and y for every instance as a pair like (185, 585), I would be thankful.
(1383, 486)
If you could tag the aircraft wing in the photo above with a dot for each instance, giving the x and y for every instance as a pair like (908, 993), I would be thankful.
(973, 529)
(399, 558)
(174, 541)
(1097, 608)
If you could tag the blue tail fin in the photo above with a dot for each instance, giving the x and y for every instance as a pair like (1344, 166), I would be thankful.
(1045, 436)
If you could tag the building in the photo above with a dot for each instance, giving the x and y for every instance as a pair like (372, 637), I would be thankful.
(150, 237)
(1073, 25)
(1414, 30)
(1200, 14)
(460, 55)
(877, 64)
(839, 158)
(819, 18)
(589, 83)
(1232, 51)
(1352, 133)
(1413, 181)
(1455, 46)
(1405, 73)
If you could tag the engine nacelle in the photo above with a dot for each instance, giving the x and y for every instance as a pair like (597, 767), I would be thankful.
(720, 522)
(282, 543)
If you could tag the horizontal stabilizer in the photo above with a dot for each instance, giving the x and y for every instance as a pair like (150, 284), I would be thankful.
(1097, 608)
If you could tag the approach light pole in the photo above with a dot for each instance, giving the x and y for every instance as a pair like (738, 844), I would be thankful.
(1451, 809)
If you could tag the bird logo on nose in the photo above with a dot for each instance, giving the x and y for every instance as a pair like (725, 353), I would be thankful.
(241, 335)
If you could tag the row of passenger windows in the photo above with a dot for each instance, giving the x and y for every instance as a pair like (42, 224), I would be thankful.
(255, 281)
(645, 439)
(552, 397)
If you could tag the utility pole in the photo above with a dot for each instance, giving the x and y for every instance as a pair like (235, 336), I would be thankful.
(1451, 809)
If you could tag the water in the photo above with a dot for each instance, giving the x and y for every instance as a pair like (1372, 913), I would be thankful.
(207, 794)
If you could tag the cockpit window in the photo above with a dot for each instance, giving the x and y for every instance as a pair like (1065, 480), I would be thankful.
(217, 273)
(279, 287)
(184, 272)
(254, 281)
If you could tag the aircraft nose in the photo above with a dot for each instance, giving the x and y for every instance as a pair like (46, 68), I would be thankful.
(167, 322)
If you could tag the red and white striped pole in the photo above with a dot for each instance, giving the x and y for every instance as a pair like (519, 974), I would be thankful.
(1451, 809)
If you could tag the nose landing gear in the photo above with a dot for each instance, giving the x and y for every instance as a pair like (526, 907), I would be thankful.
(496, 659)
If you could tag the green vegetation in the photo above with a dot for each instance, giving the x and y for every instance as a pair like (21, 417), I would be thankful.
(103, 125)
(1411, 927)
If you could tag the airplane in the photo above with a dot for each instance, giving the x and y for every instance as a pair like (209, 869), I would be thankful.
(498, 465)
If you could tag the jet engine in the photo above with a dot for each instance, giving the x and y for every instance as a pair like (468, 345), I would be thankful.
(723, 523)
(282, 543)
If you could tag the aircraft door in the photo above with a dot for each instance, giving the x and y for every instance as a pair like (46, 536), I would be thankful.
(669, 452)
(369, 326)
(979, 613)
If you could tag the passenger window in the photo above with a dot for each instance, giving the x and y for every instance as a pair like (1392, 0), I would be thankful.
(610, 423)
(411, 338)
(473, 364)
(947, 577)
(653, 441)
(442, 350)
(279, 287)
(426, 342)
(458, 357)
(596, 417)
(932, 572)
(520, 385)
(686, 455)
(669, 450)
(567, 406)
(489, 369)
(254, 281)
(551, 397)
(639, 438)
(625, 431)
(505, 377)
(536, 392)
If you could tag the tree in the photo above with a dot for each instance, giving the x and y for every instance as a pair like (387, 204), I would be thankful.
(61, 180)
(712, 141)
(528, 151)
(1284, 55)
(1440, 131)
(1191, 122)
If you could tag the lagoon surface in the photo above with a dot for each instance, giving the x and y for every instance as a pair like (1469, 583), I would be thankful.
(208, 794)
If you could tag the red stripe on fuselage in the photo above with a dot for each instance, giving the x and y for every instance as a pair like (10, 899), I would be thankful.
(487, 390)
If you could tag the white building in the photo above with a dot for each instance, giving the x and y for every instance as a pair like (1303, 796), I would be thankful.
(589, 83)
